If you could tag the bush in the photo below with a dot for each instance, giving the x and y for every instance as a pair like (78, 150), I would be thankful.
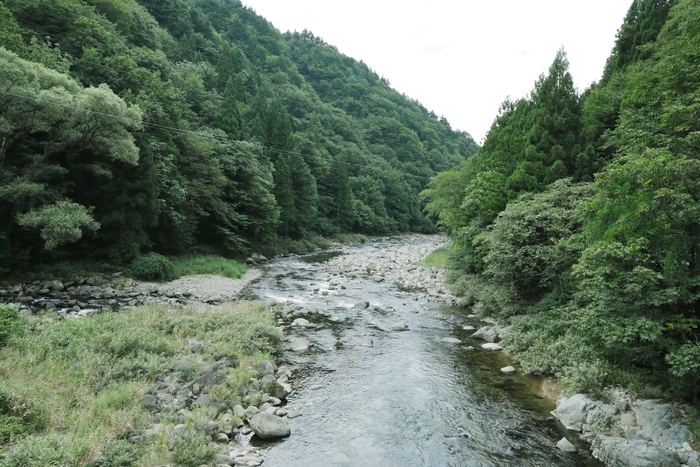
(120, 454)
(189, 449)
(9, 322)
(152, 267)
(52, 450)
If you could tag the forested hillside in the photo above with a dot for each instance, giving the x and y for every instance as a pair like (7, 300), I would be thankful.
(579, 217)
(174, 125)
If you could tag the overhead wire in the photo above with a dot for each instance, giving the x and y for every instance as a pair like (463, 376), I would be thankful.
(164, 127)
(227, 140)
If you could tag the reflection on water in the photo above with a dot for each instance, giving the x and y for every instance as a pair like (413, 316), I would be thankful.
(409, 400)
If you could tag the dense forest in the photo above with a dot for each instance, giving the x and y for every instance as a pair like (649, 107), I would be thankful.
(194, 125)
(577, 223)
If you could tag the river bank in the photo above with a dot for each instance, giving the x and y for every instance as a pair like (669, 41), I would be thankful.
(378, 368)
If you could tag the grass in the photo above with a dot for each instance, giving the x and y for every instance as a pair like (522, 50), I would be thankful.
(80, 382)
(437, 259)
(208, 264)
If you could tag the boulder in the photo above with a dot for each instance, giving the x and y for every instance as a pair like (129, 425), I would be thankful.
(270, 385)
(659, 423)
(509, 370)
(365, 342)
(268, 426)
(572, 411)
(619, 452)
(300, 322)
(266, 367)
(251, 412)
(400, 326)
(299, 345)
(486, 333)
(565, 445)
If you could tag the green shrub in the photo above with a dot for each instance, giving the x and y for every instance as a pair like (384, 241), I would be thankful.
(152, 267)
(209, 264)
(120, 454)
(9, 322)
(189, 449)
(52, 450)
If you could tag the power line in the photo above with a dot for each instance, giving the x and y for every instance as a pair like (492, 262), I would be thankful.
(222, 139)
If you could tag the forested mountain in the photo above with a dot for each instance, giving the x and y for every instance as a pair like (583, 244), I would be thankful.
(578, 220)
(133, 126)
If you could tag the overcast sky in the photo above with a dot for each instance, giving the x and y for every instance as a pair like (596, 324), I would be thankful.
(460, 59)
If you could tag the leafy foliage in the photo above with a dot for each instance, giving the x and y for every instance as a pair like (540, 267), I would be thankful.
(599, 280)
(187, 124)
(152, 267)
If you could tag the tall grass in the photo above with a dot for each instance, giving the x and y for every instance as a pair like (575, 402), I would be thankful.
(437, 259)
(82, 381)
(209, 264)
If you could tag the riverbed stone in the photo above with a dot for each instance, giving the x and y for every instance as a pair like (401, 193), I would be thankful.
(659, 423)
(450, 340)
(565, 445)
(487, 333)
(299, 344)
(619, 452)
(491, 346)
(251, 411)
(300, 322)
(400, 326)
(572, 411)
(268, 426)
(266, 367)
(271, 386)
(365, 342)
(509, 370)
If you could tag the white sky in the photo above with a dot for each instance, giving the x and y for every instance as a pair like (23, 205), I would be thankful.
(460, 59)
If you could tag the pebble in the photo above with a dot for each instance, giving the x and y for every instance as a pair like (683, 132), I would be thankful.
(509, 370)
(450, 340)
(365, 342)
(491, 346)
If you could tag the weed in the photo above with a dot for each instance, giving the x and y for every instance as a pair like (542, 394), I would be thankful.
(209, 264)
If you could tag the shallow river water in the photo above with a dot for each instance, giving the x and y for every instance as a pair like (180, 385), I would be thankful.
(410, 400)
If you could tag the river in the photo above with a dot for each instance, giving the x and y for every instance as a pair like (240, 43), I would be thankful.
(410, 399)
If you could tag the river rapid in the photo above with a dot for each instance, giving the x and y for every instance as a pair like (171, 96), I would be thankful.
(372, 396)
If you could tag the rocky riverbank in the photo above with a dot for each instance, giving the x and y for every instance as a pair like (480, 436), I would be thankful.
(626, 432)
(85, 295)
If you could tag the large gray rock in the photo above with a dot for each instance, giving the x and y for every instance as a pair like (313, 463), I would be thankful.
(266, 367)
(299, 345)
(572, 411)
(619, 452)
(270, 385)
(565, 445)
(486, 333)
(267, 426)
(660, 423)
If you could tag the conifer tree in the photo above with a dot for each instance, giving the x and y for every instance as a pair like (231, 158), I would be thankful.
(230, 115)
